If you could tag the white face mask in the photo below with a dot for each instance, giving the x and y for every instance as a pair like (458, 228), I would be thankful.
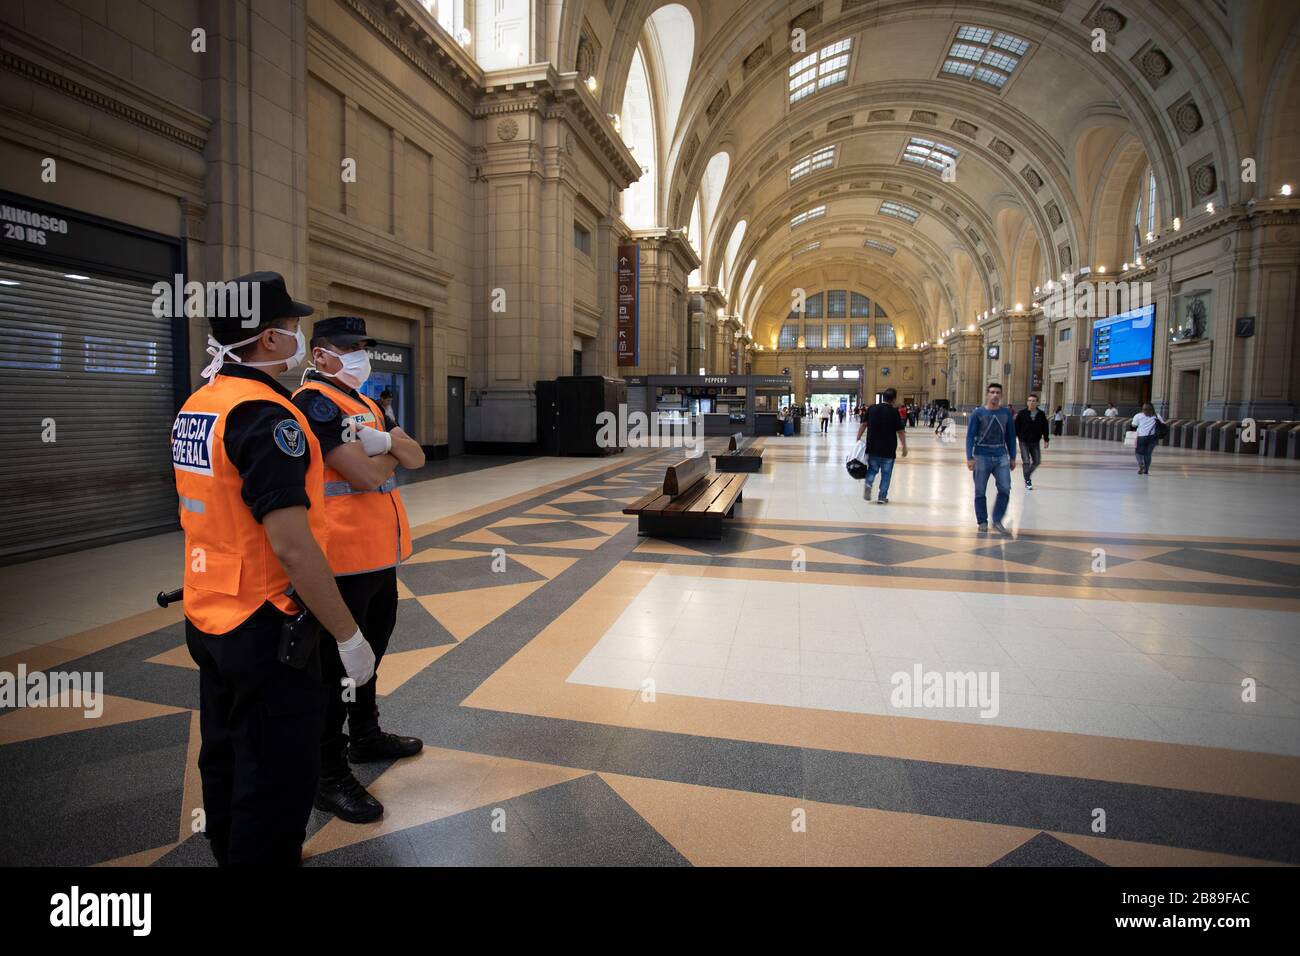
(356, 367)
(219, 353)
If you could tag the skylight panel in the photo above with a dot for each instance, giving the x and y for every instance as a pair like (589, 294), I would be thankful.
(824, 68)
(804, 216)
(821, 159)
(928, 153)
(899, 211)
(983, 55)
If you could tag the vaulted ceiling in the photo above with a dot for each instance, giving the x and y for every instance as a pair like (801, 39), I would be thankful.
(1051, 149)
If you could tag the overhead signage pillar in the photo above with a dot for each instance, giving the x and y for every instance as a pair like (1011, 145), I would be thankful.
(629, 294)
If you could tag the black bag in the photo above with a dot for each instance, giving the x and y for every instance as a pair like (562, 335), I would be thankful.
(857, 469)
(1162, 430)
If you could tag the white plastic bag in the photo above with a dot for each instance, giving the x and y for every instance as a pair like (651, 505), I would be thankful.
(1131, 439)
(860, 451)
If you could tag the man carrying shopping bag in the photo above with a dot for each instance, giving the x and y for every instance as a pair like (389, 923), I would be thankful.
(886, 433)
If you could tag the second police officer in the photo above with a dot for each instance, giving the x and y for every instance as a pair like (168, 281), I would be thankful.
(250, 478)
(368, 537)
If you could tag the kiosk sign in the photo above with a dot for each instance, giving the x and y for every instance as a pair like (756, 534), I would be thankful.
(629, 285)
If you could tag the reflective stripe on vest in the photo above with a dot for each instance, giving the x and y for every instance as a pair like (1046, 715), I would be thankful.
(369, 530)
(230, 568)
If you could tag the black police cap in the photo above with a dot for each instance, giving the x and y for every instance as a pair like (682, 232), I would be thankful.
(342, 330)
(272, 301)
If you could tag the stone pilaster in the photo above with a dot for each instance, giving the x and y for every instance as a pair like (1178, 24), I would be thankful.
(666, 261)
(257, 150)
(966, 375)
(546, 149)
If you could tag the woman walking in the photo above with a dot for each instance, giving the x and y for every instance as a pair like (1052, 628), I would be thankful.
(1058, 421)
(1145, 422)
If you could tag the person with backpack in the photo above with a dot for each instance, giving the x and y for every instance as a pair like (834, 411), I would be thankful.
(1150, 429)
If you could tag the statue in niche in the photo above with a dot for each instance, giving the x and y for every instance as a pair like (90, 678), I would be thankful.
(1191, 316)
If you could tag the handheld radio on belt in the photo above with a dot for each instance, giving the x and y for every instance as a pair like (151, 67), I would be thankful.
(298, 634)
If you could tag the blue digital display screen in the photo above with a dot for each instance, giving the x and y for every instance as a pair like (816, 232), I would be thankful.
(1122, 344)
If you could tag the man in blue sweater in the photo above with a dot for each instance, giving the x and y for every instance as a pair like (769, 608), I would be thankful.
(991, 450)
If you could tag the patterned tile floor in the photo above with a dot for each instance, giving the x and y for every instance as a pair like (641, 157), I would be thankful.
(591, 697)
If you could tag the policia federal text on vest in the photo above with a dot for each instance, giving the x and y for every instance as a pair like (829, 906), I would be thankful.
(369, 535)
(250, 478)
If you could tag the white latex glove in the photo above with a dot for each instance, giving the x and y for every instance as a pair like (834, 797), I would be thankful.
(358, 658)
(374, 441)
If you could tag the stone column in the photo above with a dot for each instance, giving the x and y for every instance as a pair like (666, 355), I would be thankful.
(966, 362)
(1011, 331)
(508, 326)
(256, 154)
(1269, 364)
(544, 145)
(666, 261)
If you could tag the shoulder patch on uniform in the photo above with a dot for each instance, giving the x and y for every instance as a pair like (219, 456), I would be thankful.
(288, 438)
(321, 409)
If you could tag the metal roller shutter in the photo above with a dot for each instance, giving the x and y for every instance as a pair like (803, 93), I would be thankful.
(90, 355)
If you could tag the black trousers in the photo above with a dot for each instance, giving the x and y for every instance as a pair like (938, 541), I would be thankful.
(1031, 457)
(372, 599)
(260, 724)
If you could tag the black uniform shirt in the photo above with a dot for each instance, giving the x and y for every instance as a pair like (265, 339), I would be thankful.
(324, 416)
(274, 477)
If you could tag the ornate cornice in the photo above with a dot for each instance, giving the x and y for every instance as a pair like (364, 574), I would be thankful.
(411, 32)
(567, 99)
(672, 241)
(1268, 213)
(44, 76)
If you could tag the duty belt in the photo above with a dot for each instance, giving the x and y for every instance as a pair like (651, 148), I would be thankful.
(335, 488)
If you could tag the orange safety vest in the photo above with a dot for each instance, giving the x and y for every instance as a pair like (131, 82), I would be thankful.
(369, 530)
(230, 569)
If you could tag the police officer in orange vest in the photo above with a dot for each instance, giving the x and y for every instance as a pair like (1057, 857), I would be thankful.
(368, 537)
(251, 482)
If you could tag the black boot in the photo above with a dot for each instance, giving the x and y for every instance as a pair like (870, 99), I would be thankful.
(383, 746)
(344, 797)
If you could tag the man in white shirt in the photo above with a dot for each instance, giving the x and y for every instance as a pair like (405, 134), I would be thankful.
(1089, 411)
(825, 415)
(1111, 410)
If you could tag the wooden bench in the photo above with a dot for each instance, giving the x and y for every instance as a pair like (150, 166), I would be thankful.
(691, 504)
(740, 456)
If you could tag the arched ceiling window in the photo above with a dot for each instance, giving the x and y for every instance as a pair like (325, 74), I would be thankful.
(733, 246)
(670, 33)
(838, 318)
(638, 131)
(1144, 214)
(696, 239)
(744, 282)
(715, 177)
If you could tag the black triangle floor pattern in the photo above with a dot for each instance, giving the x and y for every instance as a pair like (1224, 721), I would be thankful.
(582, 822)
(1046, 850)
